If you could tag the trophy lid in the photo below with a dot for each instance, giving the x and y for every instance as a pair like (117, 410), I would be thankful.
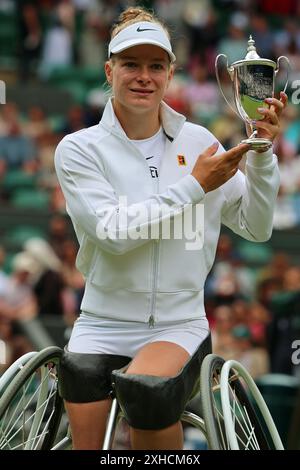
(252, 57)
(251, 50)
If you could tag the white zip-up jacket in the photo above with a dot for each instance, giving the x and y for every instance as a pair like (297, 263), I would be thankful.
(154, 280)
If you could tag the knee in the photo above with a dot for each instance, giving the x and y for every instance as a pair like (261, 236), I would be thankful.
(164, 398)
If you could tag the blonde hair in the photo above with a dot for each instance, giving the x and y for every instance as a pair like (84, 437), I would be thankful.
(134, 15)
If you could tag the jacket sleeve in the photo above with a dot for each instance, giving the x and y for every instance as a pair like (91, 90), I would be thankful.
(250, 198)
(93, 204)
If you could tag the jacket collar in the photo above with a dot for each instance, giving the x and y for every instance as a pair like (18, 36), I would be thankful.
(172, 121)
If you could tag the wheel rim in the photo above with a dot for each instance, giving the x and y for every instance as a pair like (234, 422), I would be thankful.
(249, 424)
(246, 434)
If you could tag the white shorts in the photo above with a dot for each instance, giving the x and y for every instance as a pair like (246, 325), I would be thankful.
(98, 335)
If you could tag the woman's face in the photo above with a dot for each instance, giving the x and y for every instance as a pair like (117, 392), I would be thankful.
(139, 77)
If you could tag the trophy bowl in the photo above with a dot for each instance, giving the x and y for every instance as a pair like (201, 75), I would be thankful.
(253, 80)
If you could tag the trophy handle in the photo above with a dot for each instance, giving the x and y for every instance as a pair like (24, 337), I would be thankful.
(287, 70)
(230, 73)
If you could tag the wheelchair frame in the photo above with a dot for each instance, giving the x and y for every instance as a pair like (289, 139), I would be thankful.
(220, 424)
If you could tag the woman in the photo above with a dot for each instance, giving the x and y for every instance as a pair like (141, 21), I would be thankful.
(142, 167)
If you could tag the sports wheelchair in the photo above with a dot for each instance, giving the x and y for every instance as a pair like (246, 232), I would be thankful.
(234, 415)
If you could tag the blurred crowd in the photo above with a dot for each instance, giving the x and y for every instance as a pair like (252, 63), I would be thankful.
(42, 282)
(253, 307)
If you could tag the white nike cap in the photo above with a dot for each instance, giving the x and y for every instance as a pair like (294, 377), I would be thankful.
(143, 32)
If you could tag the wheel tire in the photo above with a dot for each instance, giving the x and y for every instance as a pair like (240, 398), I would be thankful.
(48, 355)
(210, 372)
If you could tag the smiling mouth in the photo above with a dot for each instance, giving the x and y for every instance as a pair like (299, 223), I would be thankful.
(141, 92)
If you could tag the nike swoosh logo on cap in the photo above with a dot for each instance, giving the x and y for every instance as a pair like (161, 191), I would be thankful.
(139, 30)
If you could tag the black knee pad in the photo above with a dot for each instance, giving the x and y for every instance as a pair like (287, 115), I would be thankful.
(84, 378)
(150, 402)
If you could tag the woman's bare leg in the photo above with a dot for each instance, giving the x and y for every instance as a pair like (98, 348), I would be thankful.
(88, 423)
(170, 438)
(161, 358)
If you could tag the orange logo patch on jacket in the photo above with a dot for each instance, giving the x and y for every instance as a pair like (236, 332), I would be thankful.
(181, 160)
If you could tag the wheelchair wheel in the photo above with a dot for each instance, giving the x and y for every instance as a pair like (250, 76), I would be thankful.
(238, 417)
(248, 425)
(30, 407)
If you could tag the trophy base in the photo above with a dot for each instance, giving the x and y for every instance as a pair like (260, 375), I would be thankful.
(258, 143)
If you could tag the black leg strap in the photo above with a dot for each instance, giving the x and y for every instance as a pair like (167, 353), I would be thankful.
(150, 402)
(85, 378)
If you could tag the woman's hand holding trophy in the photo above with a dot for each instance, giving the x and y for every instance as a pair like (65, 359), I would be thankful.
(269, 126)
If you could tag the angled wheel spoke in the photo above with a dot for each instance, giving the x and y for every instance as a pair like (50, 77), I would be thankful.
(249, 431)
(20, 402)
(30, 407)
(25, 421)
(24, 406)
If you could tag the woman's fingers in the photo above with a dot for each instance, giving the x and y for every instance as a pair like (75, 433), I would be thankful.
(278, 105)
(270, 114)
(273, 113)
(283, 98)
(269, 126)
(235, 152)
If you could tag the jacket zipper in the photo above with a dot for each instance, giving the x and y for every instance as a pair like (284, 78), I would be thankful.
(151, 320)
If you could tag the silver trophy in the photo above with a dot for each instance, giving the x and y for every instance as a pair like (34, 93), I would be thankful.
(253, 80)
